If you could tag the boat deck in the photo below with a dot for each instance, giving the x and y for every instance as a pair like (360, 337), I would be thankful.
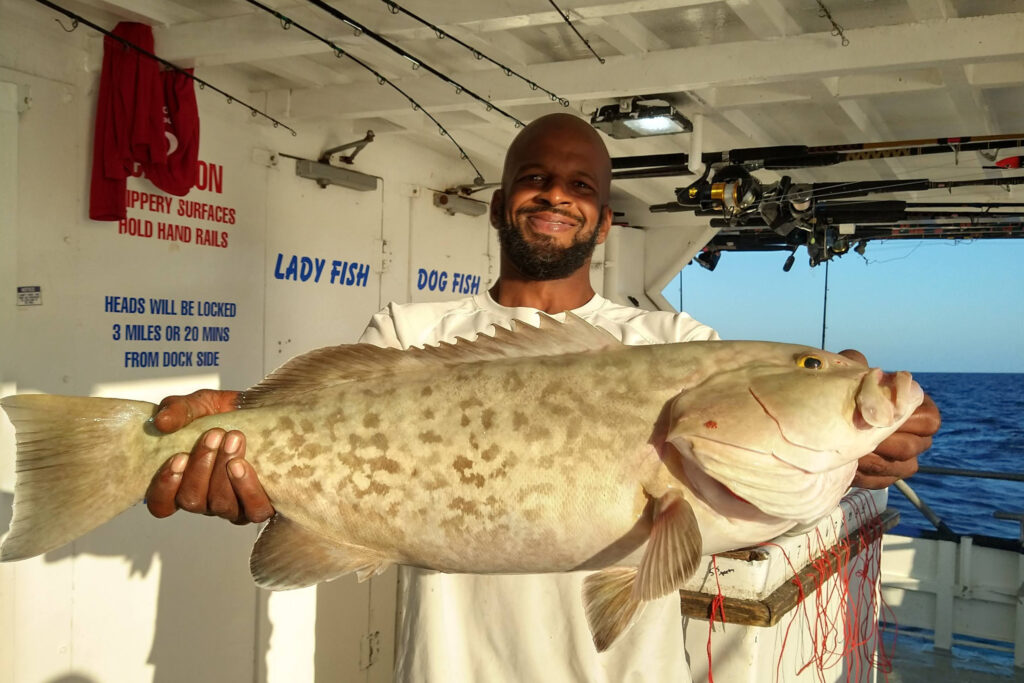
(914, 660)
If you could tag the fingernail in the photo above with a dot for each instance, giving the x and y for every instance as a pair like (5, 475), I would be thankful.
(178, 463)
(213, 439)
(236, 469)
(232, 443)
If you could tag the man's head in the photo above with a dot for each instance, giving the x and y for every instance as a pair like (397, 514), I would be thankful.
(552, 208)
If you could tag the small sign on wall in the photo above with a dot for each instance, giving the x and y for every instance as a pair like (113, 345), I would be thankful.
(30, 295)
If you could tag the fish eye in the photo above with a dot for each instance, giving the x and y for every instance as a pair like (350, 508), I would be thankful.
(810, 362)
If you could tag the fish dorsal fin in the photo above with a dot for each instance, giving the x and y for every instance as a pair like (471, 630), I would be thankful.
(351, 362)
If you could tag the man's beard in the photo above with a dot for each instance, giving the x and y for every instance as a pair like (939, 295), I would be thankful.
(544, 259)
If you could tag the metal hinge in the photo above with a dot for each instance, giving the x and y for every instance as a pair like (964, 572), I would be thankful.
(385, 255)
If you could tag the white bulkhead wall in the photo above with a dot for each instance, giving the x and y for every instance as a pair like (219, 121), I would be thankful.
(169, 303)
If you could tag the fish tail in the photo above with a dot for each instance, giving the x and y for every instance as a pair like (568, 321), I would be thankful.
(80, 462)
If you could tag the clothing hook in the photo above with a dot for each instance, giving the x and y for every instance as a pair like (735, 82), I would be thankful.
(74, 25)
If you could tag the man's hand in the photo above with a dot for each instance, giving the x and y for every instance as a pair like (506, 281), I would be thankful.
(896, 457)
(214, 479)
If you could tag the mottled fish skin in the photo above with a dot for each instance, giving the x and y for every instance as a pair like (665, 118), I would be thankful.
(548, 455)
(554, 456)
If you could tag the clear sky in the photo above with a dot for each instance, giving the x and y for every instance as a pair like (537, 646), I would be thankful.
(924, 306)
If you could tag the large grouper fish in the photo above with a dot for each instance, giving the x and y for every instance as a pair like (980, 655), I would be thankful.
(538, 449)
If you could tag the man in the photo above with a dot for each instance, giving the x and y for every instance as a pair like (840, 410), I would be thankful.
(551, 211)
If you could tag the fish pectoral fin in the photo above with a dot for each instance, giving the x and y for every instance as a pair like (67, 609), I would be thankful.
(287, 555)
(673, 551)
(610, 604)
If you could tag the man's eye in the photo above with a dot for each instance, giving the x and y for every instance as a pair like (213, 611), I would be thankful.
(583, 186)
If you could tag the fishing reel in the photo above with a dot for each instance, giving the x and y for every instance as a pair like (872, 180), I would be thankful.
(786, 205)
(732, 192)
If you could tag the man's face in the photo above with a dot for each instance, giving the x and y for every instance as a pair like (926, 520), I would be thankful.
(552, 210)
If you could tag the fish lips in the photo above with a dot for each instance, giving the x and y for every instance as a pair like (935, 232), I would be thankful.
(885, 399)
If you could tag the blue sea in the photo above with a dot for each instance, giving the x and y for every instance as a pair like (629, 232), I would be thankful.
(982, 429)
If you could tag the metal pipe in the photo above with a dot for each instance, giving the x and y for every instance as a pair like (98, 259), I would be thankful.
(980, 474)
(925, 510)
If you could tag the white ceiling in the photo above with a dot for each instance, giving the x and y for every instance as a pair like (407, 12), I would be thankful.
(760, 72)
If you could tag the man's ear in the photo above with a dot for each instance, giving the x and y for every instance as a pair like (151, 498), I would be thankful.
(605, 225)
(497, 208)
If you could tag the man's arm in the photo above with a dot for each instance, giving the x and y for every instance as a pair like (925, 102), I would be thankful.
(896, 457)
(215, 478)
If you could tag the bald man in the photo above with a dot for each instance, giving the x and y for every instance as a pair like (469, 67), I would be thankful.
(550, 213)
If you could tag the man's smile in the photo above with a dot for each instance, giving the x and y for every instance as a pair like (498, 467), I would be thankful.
(547, 222)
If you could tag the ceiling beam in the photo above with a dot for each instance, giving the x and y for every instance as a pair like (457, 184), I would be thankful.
(153, 12)
(806, 56)
(765, 18)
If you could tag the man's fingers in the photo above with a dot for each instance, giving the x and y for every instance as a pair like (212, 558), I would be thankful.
(174, 412)
(925, 420)
(855, 355)
(221, 497)
(164, 487)
(195, 480)
(250, 492)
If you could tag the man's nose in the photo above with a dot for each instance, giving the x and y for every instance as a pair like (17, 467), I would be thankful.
(554, 193)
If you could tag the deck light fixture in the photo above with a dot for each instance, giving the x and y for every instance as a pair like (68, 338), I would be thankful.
(637, 117)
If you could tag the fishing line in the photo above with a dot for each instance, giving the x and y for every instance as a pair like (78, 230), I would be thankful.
(76, 19)
(416, 62)
(287, 22)
(565, 18)
(395, 8)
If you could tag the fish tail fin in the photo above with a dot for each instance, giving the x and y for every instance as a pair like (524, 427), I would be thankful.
(80, 462)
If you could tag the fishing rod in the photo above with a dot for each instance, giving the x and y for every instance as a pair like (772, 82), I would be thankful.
(780, 157)
(395, 8)
(415, 61)
(288, 22)
(824, 242)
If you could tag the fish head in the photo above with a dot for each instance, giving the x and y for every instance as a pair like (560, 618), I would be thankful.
(783, 426)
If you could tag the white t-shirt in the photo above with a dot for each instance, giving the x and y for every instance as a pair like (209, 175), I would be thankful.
(465, 628)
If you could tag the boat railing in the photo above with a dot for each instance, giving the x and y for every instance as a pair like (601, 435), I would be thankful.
(967, 590)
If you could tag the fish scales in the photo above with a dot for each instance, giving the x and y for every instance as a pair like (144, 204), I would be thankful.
(535, 450)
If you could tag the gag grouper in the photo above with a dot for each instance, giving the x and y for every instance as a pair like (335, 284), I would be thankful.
(540, 449)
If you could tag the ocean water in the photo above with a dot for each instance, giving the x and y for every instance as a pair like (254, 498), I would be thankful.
(982, 429)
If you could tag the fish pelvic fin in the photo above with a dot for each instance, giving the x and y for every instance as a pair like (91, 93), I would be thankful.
(610, 604)
(335, 365)
(80, 462)
(673, 550)
(287, 555)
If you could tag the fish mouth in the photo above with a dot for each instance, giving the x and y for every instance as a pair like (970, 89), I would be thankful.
(885, 398)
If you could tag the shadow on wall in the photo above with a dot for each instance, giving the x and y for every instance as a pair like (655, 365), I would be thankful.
(6, 503)
(206, 606)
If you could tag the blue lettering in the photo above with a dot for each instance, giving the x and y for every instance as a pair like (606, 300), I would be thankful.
(475, 286)
(421, 279)
(141, 359)
(319, 268)
(364, 275)
(277, 267)
(306, 270)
